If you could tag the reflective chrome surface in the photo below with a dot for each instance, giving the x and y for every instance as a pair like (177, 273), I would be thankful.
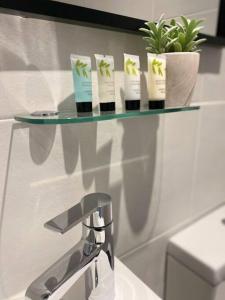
(93, 255)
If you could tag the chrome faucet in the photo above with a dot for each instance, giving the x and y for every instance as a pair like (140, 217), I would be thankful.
(92, 255)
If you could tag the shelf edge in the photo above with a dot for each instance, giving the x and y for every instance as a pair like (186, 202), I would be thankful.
(78, 120)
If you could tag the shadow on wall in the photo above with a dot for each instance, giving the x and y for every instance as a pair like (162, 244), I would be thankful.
(140, 136)
(48, 51)
(139, 144)
(97, 40)
(44, 136)
(210, 60)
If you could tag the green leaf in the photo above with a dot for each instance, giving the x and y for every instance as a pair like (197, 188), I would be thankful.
(160, 71)
(170, 43)
(127, 70)
(160, 26)
(78, 62)
(153, 69)
(150, 41)
(180, 27)
(145, 30)
(134, 71)
(173, 22)
(185, 21)
(161, 18)
(85, 73)
(78, 71)
(189, 46)
(198, 22)
(192, 26)
(177, 47)
(181, 39)
(153, 28)
(150, 49)
(198, 42)
(107, 73)
(166, 36)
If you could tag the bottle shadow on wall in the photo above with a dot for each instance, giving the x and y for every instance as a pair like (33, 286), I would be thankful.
(70, 136)
(139, 148)
(80, 144)
(43, 136)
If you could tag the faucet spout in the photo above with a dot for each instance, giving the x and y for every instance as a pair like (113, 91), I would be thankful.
(73, 264)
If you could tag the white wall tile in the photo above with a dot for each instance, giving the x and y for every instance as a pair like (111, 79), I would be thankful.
(126, 8)
(210, 19)
(177, 170)
(208, 188)
(148, 263)
(214, 74)
(140, 187)
(211, 77)
(175, 8)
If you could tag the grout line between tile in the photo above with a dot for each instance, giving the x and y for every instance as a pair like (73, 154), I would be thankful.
(171, 231)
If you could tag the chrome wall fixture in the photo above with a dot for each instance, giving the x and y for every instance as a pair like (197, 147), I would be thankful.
(92, 255)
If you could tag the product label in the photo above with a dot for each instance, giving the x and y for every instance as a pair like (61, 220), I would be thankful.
(82, 79)
(106, 86)
(132, 77)
(156, 77)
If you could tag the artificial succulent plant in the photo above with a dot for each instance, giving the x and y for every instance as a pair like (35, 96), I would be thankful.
(166, 36)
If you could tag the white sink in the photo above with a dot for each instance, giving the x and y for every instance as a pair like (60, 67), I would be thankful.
(127, 285)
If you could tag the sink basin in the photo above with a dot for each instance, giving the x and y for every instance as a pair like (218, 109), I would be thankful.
(127, 287)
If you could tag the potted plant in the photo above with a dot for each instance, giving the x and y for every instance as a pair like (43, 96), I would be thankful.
(179, 41)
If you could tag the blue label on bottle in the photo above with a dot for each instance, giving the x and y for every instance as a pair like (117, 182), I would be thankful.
(82, 82)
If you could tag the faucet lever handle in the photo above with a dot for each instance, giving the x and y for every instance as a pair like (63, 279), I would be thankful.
(94, 210)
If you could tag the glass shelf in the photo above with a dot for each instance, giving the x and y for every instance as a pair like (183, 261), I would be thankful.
(68, 117)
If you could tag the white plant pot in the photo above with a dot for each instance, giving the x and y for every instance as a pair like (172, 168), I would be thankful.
(181, 76)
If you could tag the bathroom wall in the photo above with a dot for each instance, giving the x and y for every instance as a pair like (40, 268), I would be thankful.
(163, 172)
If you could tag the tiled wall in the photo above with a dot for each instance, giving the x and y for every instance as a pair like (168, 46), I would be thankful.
(162, 172)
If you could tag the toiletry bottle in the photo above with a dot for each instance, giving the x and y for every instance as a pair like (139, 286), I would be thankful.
(156, 80)
(132, 87)
(106, 82)
(81, 68)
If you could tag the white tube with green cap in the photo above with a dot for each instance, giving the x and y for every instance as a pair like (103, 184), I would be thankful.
(156, 80)
(106, 82)
(132, 89)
